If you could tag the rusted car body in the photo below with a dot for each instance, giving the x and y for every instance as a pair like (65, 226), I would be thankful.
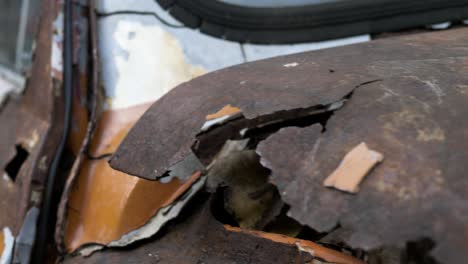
(128, 146)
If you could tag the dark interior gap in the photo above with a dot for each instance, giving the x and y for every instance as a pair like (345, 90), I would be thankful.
(13, 167)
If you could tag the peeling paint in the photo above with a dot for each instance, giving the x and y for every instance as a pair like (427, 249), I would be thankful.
(353, 168)
(226, 110)
(149, 64)
(162, 217)
(57, 44)
(88, 250)
(218, 121)
(9, 241)
(121, 207)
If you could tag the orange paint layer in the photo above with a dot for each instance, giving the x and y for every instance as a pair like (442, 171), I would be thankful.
(2, 242)
(314, 249)
(353, 168)
(104, 203)
(225, 111)
(79, 125)
(113, 126)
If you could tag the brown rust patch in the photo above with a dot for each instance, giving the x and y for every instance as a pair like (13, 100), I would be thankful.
(420, 189)
(166, 132)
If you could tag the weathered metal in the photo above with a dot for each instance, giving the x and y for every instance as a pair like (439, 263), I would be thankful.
(415, 116)
(32, 124)
(405, 97)
(200, 238)
(165, 134)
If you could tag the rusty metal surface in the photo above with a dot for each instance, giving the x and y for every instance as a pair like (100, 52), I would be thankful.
(201, 239)
(417, 117)
(91, 108)
(34, 125)
(406, 98)
(165, 134)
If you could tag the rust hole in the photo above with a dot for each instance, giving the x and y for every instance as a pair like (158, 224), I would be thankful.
(13, 167)
(218, 211)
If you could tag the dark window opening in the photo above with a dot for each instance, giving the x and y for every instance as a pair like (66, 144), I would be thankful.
(13, 167)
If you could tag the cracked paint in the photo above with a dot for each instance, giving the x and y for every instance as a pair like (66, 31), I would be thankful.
(149, 62)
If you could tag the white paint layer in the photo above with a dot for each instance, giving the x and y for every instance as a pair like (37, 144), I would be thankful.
(7, 253)
(149, 63)
(57, 43)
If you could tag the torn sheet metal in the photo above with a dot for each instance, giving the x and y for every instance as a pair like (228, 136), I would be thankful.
(170, 211)
(101, 210)
(119, 214)
(167, 212)
(272, 150)
(111, 208)
(204, 240)
(7, 242)
(222, 116)
(355, 165)
(321, 78)
(417, 116)
(183, 169)
(247, 195)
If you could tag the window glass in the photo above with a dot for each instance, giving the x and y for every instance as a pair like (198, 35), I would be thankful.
(18, 24)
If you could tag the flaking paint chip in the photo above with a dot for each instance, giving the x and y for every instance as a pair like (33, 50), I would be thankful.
(227, 110)
(355, 165)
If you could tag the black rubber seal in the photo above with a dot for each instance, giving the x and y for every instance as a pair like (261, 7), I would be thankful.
(311, 22)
